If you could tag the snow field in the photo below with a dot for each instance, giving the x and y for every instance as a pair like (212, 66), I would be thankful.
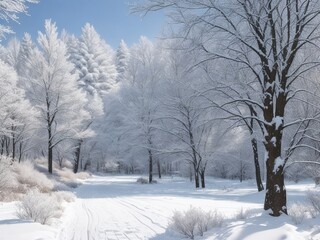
(117, 208)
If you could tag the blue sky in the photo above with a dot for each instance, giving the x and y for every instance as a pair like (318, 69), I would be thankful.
(111, 19)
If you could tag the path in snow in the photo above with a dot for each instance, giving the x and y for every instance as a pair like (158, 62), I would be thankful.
(107, 209)
(117, 208)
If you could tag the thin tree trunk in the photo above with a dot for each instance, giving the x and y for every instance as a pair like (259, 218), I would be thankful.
(20, 151)
(257, 164)
(77, 157)
(7, 146)
(13, 146)
(196, 178)
(150, 165)
(203, 183)
(50, 156)
(159, 168)
(50, 148)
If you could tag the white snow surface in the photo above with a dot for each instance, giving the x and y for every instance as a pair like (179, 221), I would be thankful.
(116, 207)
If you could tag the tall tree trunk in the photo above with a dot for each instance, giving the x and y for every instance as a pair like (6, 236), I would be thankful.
(203, 183)
(50, 156)
(13, 146)
(196, 178)
(7, 146)
(159, 168)
(256, 164)
(77, 157)
(276, 196)
(50, 148)
(20, 151)
(2, 145)
(150, 165)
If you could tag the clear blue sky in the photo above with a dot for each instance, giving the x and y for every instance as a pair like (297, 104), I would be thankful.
(111, 19)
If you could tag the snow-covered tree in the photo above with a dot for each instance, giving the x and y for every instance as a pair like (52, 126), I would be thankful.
(52, 89)
(94, 62)
(138, 103)
(17, 115)
(122, 61)
(268, 38)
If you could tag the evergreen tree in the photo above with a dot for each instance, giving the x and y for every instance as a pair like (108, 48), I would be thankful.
(122, 61)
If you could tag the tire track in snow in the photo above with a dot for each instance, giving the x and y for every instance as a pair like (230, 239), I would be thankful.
(141, 212)
(111, 218)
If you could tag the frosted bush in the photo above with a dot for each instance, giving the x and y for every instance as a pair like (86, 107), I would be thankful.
(28, 177)
(313, 198)
(297, 212)
(82, 175)
(38, 207)
(66, 174)
(208, 220)
(194, 222)
(69, 178)
(244, 214)
(7, 180)
(64, 196)
(4, 175)
(142, 180)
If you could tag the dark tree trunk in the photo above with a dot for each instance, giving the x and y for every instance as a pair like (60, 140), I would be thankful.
(276, 196)
(257, 164)
(150, 165)
(50, 156)
(7, 144)
(13, 146)
(203, 183)
(50, 150)
(2, 145)
(159, 168)
(77, 157)
(196, 179)
(20, 151)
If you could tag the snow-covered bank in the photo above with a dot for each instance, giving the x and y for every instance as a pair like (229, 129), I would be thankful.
(116, 207)
(13, 228)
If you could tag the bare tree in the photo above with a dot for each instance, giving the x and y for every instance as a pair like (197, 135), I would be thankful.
(268, 38)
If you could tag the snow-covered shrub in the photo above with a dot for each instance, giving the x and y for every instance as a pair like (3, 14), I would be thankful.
(297, 212)
(244, 214)
(28, 177)
(142, 180)
(313, 198)
(7, 180)
(64, 196)
(208, 220)
(82, 175)
(67, 177)
(38, 207)
(194, 222)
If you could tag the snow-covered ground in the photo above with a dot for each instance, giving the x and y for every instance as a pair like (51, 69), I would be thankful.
(116, 207)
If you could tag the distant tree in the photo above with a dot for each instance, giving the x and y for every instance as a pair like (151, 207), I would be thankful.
(134, 117)
(26, 48)
(122, 61)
